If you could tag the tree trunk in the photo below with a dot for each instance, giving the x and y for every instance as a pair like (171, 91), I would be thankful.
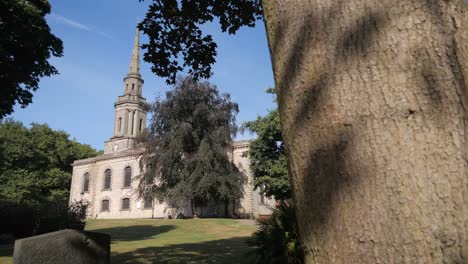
(226, 214)
(192, 207)
(234, 213)
(373, 102)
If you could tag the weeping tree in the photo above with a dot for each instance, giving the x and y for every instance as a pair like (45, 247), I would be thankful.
(373, 100)
(185, 158)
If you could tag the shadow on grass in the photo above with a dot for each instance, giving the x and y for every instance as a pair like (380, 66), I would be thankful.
(224, 251)
(138, 232)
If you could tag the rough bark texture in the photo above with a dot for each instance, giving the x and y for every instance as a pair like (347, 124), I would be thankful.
(373, 102)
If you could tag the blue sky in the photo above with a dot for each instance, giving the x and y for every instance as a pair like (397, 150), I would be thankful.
(98, 36)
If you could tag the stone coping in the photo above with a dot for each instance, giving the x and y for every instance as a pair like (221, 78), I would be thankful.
(129, 152)
(138, 152)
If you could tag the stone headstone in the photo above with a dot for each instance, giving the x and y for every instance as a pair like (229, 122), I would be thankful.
(65, 247)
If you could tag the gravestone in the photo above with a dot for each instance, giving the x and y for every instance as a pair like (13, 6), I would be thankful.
(65, 247)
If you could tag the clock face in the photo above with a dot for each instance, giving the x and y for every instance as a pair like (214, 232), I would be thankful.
(115, 147)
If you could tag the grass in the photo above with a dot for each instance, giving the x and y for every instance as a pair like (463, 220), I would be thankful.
(6, 253)
(171, 241)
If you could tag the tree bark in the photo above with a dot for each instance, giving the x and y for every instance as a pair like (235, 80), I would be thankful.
(373, 102)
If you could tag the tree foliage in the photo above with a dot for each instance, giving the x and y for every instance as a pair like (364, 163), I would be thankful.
(267, 157)
(35, 163)
(186, 146)
(175, 33)
(277, 239)
(35, 176)
(25, 47)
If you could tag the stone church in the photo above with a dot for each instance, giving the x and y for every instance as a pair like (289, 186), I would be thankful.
(108, 183)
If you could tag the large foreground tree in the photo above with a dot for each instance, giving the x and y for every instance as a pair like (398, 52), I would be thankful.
(185, 157)
(373, 103)
(26, 44)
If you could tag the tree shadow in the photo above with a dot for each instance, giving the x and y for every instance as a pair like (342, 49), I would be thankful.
(137, 232)
(232, 250)
(331, 149)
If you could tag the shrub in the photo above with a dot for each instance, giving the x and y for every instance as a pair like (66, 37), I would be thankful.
(277, 240)
(17, 220)
(24, 220)
(60, 216)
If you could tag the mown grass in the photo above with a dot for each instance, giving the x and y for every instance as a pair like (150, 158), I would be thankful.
(6, 253)
(171, 241)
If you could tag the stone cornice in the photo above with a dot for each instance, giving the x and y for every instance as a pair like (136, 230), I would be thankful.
(134, 76)
(127, 153)
(125, 100)
(243, 144)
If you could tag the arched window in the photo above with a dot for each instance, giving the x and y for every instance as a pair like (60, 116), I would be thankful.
(119, 125)
(262, 199)
(107, 179)
(262, 195)
(105, 205)
(148, 202)
(133, 121)
(86, 182)
(127, 176)
(141, 124)
(125, 203)
(133, 86)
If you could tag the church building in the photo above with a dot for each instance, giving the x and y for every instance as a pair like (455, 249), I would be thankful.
(108, 183)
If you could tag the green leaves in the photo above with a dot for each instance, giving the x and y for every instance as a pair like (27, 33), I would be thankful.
(277, 239)
(267, 157)
(186, 146)
(35, 163)
(25, 48)
(176, 40)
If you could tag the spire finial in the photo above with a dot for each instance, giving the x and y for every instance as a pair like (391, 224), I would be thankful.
(135, 61)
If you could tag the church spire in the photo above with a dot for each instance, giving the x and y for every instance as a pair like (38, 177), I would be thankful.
(130, 108)
(135, 61)
(133, 83)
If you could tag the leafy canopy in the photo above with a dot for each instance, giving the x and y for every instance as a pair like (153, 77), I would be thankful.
(26, 44)
(186, 146)
(267, 157)
(175, 33)
(35, 163)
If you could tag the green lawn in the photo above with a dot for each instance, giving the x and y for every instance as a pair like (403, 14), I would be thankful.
(171, 241)
(6, 254)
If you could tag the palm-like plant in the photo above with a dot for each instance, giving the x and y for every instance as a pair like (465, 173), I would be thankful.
(277, 240)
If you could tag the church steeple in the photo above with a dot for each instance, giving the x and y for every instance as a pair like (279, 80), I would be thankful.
(130, 108)
(135, 60)
(133, 82)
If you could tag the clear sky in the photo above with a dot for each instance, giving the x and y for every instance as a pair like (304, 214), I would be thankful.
(98, 35)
